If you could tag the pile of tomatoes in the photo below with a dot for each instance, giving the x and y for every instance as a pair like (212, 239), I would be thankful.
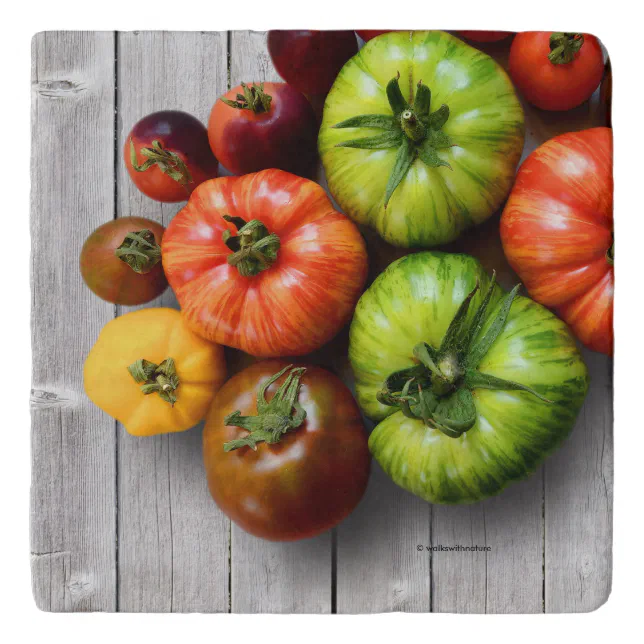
(420, 138)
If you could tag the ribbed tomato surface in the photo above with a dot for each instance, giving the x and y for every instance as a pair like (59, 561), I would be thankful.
(557, 231)
(293, 306)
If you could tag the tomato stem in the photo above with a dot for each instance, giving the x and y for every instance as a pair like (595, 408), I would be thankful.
(156, 378)
(254, 248)
(610, 253)
(412, 126)
(438, 388)
(254, 99)
(564, 46)
(412, 129)
(282, 414)
(168, 162)
(140, 251)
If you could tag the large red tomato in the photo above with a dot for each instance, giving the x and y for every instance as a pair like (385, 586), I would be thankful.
(264, 263)
(556, 71)
(557, 231)
(285, 465)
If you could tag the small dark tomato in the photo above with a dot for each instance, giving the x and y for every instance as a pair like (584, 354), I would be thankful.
(368, 34)
(270, 125)
(556, 71)
(310, 60)
(167, 155)
(285, 450)
(485, 36)
(120, 261)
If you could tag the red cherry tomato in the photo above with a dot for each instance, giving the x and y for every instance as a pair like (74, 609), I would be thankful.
(310, 60)
(368, 34)
(485, 36)
(271, 125)
(121, 261)
(167, 155)
(308, 479)
(556, 71)
(557, 231)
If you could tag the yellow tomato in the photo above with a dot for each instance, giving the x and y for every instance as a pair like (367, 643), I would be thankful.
(151, 373)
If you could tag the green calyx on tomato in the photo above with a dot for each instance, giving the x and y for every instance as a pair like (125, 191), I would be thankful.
(254, 247)
(438, 390)
(156, 378)
(564, 46)
(412, 128)
(282, 414)
(139, 251)
(167, 161)
(254, 99)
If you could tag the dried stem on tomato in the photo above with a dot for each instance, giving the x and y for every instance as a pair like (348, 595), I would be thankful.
(438, 390)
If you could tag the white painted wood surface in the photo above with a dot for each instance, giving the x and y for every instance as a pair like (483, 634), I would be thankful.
(120, 523)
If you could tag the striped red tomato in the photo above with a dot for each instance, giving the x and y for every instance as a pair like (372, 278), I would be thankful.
(264, 263)
(557, 231)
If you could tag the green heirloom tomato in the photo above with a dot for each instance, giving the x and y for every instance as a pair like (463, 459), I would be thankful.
(473, 387)
(420, 138)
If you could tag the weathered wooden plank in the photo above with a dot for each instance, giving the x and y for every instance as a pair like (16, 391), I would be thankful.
(274, 577)
(73, 471)
(578, 509)
(379, 565)
(173, 540)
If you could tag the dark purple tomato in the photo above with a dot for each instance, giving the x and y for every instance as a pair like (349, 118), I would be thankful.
(310, 60)
(256, 127)
(167, 155)
(121, 261)
(307, 476)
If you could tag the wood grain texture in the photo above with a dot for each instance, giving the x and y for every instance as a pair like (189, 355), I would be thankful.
(274, 577)
(578, 505)
(120, 523)
(173, 540)
(73, 470)
(379, 568)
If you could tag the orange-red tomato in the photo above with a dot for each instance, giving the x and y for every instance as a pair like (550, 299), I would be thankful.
(556, 71)
(485, 36)
(171, 155)
(557, 231)
(309, 480)
(284, 285)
